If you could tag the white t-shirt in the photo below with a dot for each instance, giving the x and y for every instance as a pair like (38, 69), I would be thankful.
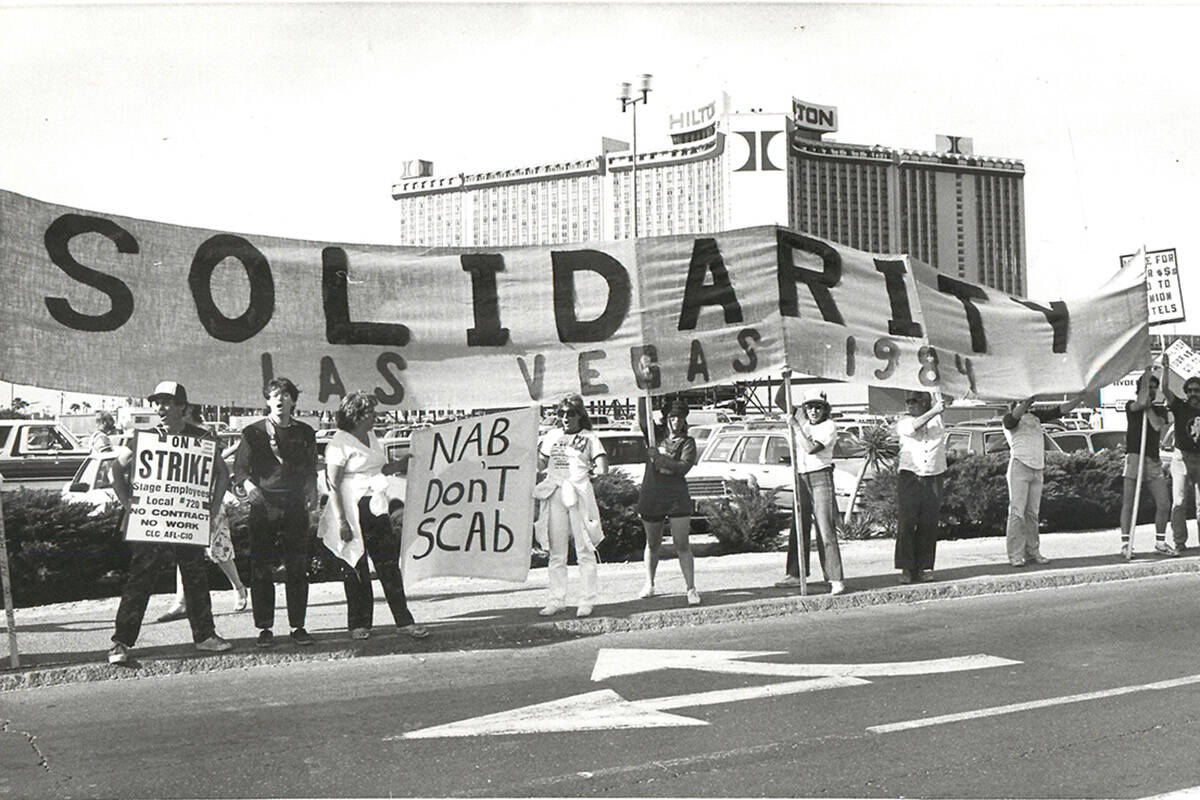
(359, 462)
(922, 450)
(824, 433)
(570, 455)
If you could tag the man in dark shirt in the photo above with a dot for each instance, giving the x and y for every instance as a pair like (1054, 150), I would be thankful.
(169, 399)
(276, 464)
(1186, 411)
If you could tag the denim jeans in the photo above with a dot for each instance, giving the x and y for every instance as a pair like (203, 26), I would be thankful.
(1024, 507)
(144, 566)
(919, 501)
(1185, 471)
(279, 533)
(817, 502)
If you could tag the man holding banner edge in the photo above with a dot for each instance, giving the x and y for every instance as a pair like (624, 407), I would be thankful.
(169, 400)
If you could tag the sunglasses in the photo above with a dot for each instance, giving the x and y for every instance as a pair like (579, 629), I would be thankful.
(568, 412)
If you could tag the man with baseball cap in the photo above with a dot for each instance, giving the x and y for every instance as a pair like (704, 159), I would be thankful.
(169, 400)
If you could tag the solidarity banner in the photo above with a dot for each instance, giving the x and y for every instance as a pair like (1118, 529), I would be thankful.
(171, 479)
(469, 509)
(102, 303)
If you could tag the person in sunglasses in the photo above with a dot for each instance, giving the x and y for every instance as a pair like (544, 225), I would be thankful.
(570, 455)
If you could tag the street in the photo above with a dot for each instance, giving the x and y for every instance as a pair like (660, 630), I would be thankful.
(1107, 673)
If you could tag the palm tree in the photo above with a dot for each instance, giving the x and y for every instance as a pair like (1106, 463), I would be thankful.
(879, 448)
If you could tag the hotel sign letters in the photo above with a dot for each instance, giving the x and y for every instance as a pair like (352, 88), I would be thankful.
(813, 117)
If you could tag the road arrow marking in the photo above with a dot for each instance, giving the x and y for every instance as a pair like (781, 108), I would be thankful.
(615, 662)
(606, 710)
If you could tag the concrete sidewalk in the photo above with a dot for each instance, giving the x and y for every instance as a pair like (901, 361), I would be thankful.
(67, 642)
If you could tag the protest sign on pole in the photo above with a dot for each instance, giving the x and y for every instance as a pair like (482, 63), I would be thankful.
(171, 478)
(1164, 295)
(469, 508)
(1185, 362)
(10, 618)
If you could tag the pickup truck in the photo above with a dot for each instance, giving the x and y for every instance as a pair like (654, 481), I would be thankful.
(37, 453)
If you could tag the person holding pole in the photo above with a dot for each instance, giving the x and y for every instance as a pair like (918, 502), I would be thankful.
(1142, 464)
(1186, 411)
(814, 436)
(919, 478)
(169, 399)
(1027, 444)
(665, 495)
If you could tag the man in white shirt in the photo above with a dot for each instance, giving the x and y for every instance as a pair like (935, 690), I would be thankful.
(1023, 430)
(922, 464)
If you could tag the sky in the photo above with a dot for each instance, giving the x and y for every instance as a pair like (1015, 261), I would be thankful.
(295, 119)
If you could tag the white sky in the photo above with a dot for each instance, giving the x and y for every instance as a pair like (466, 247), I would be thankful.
(293, 120)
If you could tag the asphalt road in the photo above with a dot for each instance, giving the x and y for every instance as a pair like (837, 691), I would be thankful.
(1108, 673)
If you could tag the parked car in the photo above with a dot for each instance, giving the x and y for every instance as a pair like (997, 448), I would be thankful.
(1095, 441)
(977, 439)
(760, 456)
(37, 452)
(626, 450)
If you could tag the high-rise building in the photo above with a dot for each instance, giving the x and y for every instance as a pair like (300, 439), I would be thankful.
(961, 213)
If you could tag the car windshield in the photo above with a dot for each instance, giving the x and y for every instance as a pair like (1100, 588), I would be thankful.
(1106, 439)
(624, 449)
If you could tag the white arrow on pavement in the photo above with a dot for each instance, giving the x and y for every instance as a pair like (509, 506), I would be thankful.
(606, 710)
(615, 662)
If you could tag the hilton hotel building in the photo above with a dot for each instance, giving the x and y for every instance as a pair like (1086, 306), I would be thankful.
(959, 212)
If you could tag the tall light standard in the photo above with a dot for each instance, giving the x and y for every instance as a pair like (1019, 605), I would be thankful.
(628, 101)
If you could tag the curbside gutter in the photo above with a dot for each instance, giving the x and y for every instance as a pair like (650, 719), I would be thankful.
(546, 632)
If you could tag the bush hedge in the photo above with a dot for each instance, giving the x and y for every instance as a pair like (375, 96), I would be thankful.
(1081, 491)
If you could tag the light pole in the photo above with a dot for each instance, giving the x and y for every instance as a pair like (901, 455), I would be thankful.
(629, 100)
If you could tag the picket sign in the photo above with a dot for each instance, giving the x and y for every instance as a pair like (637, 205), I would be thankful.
(10, 619)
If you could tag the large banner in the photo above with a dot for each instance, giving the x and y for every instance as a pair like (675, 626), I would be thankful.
(171, 478)
(469, 509)
(97, 302)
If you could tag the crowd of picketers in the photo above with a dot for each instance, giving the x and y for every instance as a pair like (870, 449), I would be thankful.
(276, 466)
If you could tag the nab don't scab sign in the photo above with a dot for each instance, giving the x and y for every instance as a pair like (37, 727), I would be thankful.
(171, 481)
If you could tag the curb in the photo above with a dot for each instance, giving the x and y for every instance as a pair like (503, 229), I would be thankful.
(562, 630)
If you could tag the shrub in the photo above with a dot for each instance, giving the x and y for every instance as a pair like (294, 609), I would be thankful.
(58, 552)
(748, 521)
(1080, 491)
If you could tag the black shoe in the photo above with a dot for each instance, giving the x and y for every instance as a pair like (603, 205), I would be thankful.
(302, 638)
(266, 638)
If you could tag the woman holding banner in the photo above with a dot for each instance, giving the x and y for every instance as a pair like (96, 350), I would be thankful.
(570, 455)
(919, 485)
(355, 464)
(665, 495)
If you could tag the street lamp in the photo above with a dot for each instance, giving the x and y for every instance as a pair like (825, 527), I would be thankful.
(628, 101)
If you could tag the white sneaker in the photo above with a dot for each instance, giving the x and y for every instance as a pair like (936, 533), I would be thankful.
(118, 654)
(583, 611)
(1165, 549)
(1126, 552)
(837, 587)
(647, 591)
(693, 597)
(550, 610)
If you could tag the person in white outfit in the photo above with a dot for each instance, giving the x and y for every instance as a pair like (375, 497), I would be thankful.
(570, 455)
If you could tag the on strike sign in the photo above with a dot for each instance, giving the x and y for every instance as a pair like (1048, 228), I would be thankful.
(171, 479)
